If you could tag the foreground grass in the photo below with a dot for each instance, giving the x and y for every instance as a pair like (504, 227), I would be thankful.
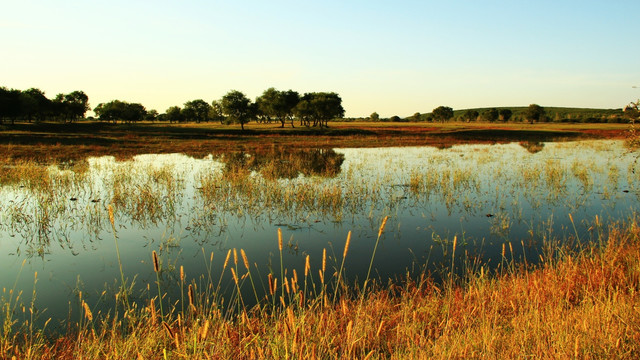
(580, 303)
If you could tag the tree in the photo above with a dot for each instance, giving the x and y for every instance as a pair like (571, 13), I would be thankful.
(116, 110)
(151, 115)
(319, 107)
(287, 102)
(535, 112)
(237, 107)
(34, 104)
(197, 110)
(374, 116)
(76, 105)
(415, 117)
(174, 114)
(442, 113)
(470, 115)
(632, 111)
(490, 115)
(9, 104)
(277, 104)
(215, 112)
(505, 114)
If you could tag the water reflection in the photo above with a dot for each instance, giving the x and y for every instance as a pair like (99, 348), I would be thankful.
(281, 163)
(489, 197)
(532, 146)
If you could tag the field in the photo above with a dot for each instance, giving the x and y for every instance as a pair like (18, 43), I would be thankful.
(63, 142)
(575, 295)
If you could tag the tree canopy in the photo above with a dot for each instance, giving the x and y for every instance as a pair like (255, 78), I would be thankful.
(120, 110)
(442, 113)
(237, 107)
(535, 112)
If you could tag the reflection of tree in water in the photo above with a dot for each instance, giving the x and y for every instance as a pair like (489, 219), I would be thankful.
(532, 146)
(280, 163)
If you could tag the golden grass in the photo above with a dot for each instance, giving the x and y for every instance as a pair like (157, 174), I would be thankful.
(580, 303)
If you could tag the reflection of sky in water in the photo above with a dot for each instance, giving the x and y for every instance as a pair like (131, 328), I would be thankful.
(502, 193)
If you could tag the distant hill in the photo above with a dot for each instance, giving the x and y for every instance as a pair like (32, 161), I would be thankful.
(553, 114)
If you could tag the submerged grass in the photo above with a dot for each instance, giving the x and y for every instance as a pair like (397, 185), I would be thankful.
(576, 303)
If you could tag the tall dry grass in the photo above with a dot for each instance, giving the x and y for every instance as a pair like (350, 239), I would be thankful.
(578, 303)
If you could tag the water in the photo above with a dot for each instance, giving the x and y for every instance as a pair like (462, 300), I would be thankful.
(486, 196)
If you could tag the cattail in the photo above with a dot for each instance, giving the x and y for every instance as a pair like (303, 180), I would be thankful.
(307, 266)
(455, 242)
(156, 264)
(511, 249)
(295, 277)
(280, 239)
(226, 260)
(244, 259)
(270, 279)
(111, 217)
(503, 250)
(324, 259)
(286, 284)
(152, 310)
(235, 277)
(205, 330)
(211, 257)
(384, 222)
(570, 217)
(191, 296)
(346, 245)
(181, 273)
(235, 257)
(87, 311)
(275, 286)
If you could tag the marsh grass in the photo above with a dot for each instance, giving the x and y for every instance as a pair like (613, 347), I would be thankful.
(579, 302)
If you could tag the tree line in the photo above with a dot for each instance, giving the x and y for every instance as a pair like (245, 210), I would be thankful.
(532, 113)
(310, 109)
(33, 105)
(283, 107)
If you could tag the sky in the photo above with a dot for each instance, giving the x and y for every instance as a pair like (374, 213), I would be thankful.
(390, 57)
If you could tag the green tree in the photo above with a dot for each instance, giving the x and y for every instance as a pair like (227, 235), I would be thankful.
(490, 115)
(470, 115)
(76, 105)
(120, 110)
(237, 107)
(535, 112)
(274, 104)
(215, 112)
(442, 113)
(174, 114)
(34, 104)
(197, 110)
(374, 116)
(319, 108)
(505, 114)
(151, 115)
(9, 104)
(415, 117)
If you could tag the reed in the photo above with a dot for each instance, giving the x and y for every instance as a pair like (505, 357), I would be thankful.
(579, 304)
(123, 285)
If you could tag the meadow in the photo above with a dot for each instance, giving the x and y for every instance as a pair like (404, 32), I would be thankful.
(297, 243)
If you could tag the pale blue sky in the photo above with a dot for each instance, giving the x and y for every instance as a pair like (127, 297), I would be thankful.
(393, 57)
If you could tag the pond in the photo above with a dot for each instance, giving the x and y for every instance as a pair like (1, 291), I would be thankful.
(494, 203)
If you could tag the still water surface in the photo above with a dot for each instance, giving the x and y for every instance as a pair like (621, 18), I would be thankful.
(186, 209)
